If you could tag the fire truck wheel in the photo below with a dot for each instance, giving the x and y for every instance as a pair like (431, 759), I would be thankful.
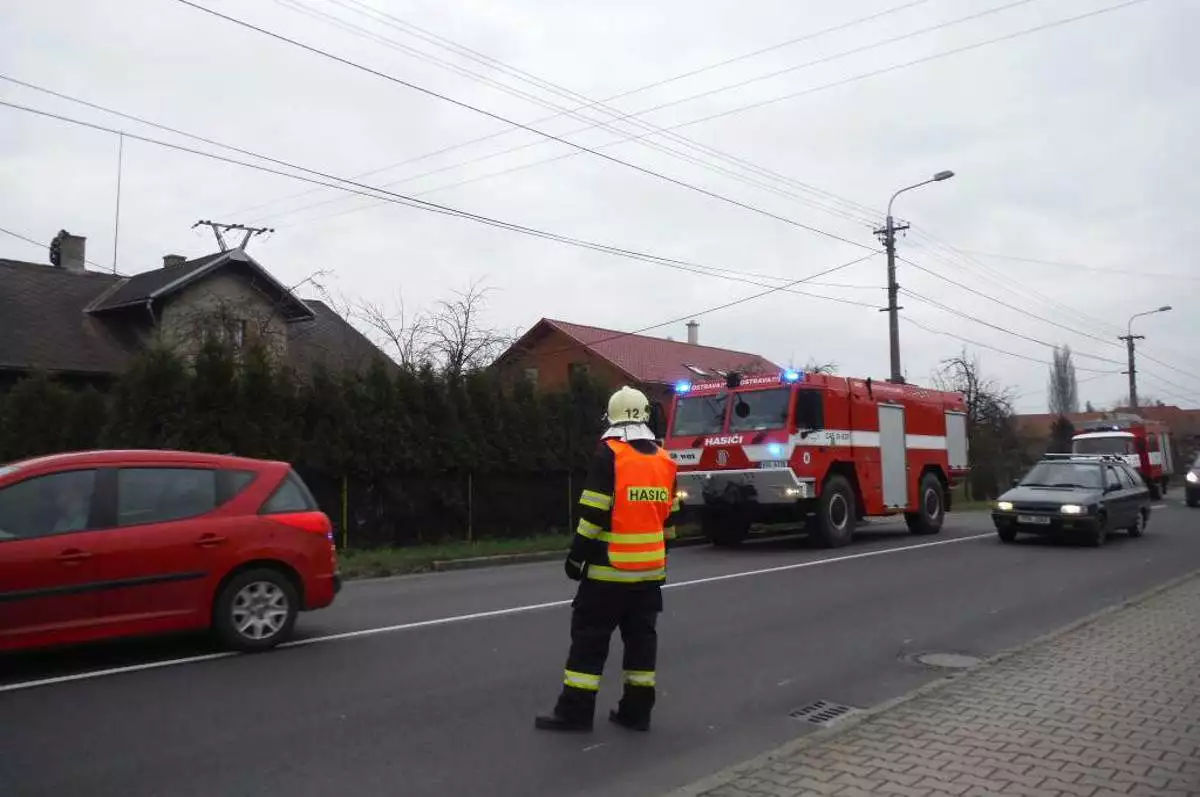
(836, 515)
(929, 518)
(725, 528)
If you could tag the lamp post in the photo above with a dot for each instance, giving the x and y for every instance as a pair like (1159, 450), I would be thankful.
(889, 241)
(1129, 339)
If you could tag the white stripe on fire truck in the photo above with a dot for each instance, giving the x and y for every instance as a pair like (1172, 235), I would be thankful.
(826, 438)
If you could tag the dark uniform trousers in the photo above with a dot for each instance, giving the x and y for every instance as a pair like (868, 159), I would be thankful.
(600, 609)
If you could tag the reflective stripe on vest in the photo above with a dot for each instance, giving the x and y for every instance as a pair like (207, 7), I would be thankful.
(642, 502)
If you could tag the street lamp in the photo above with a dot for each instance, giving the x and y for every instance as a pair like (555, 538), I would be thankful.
(889, 242)
(1130, 346)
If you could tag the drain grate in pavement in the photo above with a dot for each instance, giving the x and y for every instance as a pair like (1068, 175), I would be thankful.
(822, 712)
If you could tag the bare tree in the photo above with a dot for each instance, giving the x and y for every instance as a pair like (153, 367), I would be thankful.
(1063, 388)
(457, 335)
(815, 367)
(406, 339)
(992, 438)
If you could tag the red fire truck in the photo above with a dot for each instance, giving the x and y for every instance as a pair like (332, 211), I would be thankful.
(813, 447)
(1143, 443)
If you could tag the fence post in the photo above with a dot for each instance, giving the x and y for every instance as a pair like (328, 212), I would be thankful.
(470, 506)
(345, 511)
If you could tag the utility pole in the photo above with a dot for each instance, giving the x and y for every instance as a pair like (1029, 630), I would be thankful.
(219, 228)
(1130, 346)
(888, 233)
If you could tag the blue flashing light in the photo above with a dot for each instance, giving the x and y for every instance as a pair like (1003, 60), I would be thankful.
(683, 386)
(792, 376)
(775, 449)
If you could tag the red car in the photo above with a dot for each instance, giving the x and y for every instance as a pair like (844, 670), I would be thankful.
(106, 544)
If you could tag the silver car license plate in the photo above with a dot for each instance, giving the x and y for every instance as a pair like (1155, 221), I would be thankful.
(1034, 520)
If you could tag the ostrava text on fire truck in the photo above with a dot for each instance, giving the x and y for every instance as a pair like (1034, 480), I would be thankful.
(826, 450)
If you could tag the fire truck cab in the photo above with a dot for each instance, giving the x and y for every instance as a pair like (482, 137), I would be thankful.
(825, 450)
(1145, 444)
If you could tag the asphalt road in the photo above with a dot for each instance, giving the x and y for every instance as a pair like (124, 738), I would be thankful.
(428, 685)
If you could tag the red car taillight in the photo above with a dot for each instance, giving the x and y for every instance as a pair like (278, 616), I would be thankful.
(313, 522)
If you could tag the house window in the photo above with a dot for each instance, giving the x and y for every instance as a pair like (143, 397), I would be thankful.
(531, 375)
(577, 369)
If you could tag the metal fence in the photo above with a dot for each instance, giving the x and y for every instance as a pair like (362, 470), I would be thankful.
(423, 508)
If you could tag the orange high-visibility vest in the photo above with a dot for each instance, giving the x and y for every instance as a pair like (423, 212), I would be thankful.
(642, 502)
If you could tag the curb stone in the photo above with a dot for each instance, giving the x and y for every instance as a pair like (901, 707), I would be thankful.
(815, 738)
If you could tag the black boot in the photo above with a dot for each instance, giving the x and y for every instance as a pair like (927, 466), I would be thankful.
(573, 712)
(635, 707)
(629, 723)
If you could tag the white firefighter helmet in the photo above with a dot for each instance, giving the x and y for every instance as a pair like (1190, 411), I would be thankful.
(628, 405)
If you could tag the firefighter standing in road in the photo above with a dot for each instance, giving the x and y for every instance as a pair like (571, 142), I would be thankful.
(618, 555)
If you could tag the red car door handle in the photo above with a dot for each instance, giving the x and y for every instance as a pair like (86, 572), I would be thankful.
(209, 540)
(73, 556)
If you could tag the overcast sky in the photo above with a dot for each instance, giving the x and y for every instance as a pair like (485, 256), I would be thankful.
(1073, 144)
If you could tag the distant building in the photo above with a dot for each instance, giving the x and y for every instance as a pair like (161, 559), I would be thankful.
(86, 326)
(551, 351)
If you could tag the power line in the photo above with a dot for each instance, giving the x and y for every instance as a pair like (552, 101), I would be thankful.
(43, 245)
(1085, 380)
(906, 64)
(398, 24)
(1065, 264)
(632, 117)
(357, 30)
(996, 349)
(589, 103)
(961, 314)
(1004, 304)
(727, 305)
(955, 257)
(365, 190)
(523, 126)
(834, 84)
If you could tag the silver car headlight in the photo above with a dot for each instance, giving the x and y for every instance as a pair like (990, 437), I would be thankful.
(1192, 477)
(1004, 506)
(1072, 509)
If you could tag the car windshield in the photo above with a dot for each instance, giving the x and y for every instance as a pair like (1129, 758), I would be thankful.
(1104, 445)
(696, 415)
(1063, 474)
(759, 410)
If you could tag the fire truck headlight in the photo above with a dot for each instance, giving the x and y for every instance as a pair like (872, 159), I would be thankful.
(1004, 506)
(1072, 509)
(1192, 477)
(795, 492)
(682, 495)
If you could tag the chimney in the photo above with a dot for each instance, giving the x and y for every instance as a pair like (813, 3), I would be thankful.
(693, 328)
(68, 251)
(173, 260)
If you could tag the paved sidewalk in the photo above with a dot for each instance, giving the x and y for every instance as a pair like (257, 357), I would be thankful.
(1109, 709)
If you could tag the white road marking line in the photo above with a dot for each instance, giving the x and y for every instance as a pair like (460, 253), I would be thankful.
(82, 676)
(63, 679)
(1158, 506)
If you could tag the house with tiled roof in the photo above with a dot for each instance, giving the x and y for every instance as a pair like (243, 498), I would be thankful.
(552, 351)
(85, 326)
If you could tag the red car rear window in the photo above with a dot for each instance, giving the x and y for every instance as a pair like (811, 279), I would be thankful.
(291, 496)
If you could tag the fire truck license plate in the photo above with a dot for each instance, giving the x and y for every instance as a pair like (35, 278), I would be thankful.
(773, 463)
(1034, 520)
